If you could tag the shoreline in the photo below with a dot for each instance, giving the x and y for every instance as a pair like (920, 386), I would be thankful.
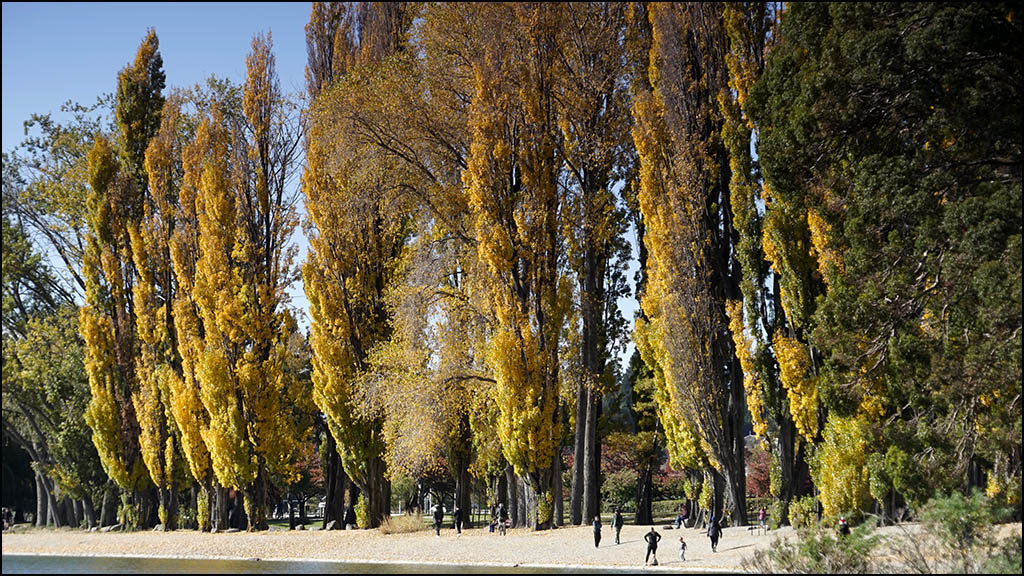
(494, 565)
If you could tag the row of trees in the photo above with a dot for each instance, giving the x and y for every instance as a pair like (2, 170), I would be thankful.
(826, 200)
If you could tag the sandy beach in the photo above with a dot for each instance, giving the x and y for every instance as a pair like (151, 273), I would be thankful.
(562, 547)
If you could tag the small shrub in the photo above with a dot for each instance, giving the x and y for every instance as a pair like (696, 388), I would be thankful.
(666, 509)
(619, 488)
(957, 535)
(803, 512)
(362, 512)
(187, 518)
(403, 524)
(777, 511)
(673, 487)
(818, 550)
(1006, 557)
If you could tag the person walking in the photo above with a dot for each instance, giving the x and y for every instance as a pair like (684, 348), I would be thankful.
(714, 532)
(762, 518)
(457, 517)
(502, 519)
(438, 518)
(617, 523)
(597, 531)
(652, 539)
(682, 549)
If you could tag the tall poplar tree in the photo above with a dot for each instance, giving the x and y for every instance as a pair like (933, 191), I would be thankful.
(245, 217)
(119, 188)
(593, 117)
(759, 319)
(353, 211)
(514, 198)
(692, 272)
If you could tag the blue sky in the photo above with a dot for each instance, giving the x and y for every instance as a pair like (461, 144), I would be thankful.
(55, 52)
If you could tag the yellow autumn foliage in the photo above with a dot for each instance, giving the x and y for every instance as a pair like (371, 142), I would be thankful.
(840, 471)
(755, 395)
(800, 382)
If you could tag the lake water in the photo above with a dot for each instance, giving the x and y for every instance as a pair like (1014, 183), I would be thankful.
(24, 564)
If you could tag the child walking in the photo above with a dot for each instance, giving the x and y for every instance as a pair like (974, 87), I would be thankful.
(682, 549)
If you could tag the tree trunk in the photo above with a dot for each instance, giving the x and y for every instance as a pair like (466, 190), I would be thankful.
(557, 491)
(79, 514)
(461, 453)
(42, 502)
(528, 504)
(219, 515)
(578, 466)
(592, 294)
(512, 484)
(105, 507)
(736, 473)
(173, 515)
(718, 499)
(377, 492)
(89, 512)
(644, 494)
(163, 507)
(337, 480)
(256, 502)
(501, 492)
(592, 459)
(57, 513)
(462, 489)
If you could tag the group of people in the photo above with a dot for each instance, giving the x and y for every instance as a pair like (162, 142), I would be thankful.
(458, 517)
(499, 519)
(652, 538)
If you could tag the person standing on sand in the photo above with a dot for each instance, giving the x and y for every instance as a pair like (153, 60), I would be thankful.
(714, 532)
(597, 531)
(438, 518)
(502, 519)
(682, 549)
(617, 523)
(652, 538)
(457, 517)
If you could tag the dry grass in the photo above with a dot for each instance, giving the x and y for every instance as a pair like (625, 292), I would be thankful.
(403, 524)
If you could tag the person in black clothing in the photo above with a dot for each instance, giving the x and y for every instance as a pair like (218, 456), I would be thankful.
(438, 518)
(714, 532)
(652, 538)
(502, 519)
(844, 528)
(597, 531)
(350, 518)
(617, 523)
(457, 516)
